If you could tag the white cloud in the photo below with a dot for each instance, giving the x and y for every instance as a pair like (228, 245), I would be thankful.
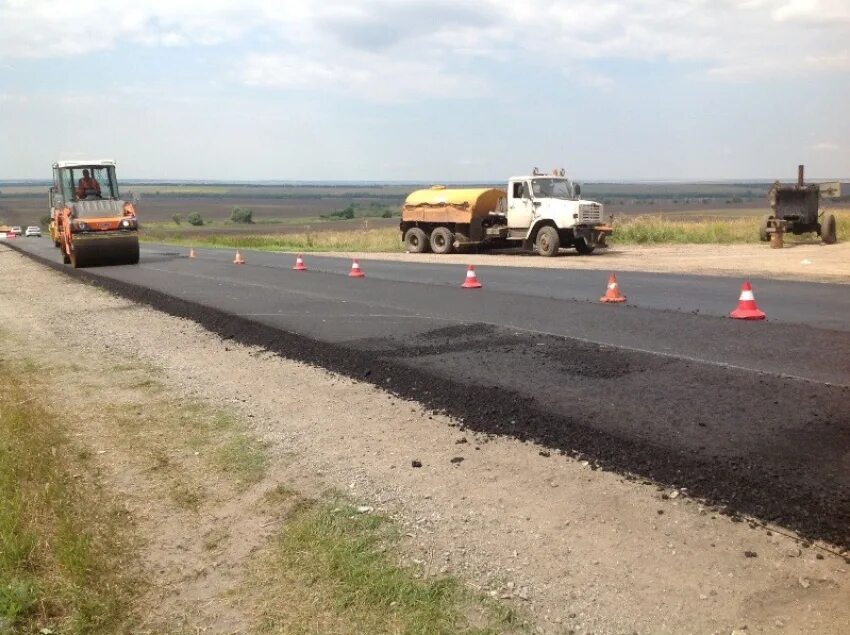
(826, 146)
(399, 46)
(363, 74)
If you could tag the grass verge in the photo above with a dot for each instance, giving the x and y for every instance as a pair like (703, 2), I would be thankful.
(329, 571)
(219, 440)
(370, 240)
(661, 230)
(60, 563)
(636, 230)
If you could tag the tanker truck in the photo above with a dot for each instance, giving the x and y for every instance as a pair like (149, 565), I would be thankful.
(540, 212)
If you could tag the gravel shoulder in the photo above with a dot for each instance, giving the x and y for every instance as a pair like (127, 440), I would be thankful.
(799, 260)
(582, 550)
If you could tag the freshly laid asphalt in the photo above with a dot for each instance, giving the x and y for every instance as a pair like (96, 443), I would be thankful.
(753, 417)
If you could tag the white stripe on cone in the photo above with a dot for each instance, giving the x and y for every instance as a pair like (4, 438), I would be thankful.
(747, 296)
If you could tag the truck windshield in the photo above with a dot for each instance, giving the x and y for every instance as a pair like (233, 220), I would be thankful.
(552, 188)
(89, 183)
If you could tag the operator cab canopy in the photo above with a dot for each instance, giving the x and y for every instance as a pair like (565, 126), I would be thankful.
(68, 179)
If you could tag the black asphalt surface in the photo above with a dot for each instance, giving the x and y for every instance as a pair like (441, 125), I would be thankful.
(753, 417)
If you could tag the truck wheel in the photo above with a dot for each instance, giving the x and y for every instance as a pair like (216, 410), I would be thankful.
(548, 241)
(442, 240)
(763, 235)
(583, 247)
(828, 233)
(416, 241)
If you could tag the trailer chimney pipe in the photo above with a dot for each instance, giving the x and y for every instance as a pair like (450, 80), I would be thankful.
(800, 169)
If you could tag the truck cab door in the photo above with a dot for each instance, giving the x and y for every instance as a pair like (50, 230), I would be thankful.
(520, 208)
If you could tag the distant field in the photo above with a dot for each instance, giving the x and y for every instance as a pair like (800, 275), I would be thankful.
(299, 209)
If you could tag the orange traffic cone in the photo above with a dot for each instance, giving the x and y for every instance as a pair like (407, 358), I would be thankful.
(612, 293)
(238, 260)
(192, 252)
(471, 281)
(356, 271)
(747, 309)
(299, 264)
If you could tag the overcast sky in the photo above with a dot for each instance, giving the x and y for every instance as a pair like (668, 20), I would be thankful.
(417, 90)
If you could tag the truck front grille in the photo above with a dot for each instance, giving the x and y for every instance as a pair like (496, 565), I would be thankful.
(590, 213)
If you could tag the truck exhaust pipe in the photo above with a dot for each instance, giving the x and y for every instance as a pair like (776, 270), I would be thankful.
(800, 180)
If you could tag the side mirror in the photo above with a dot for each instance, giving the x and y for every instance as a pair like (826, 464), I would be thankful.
(577, 190)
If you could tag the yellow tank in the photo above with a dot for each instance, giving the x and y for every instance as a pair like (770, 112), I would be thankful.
(451, 204)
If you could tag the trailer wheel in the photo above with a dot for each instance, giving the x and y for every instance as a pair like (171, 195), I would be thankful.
(548, 241)
(828, 232)
(763, 235)
(416, 241)
(442, 240)
(583, 247)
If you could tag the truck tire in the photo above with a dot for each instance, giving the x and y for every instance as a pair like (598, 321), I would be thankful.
(442, 240)
(416, 241)
(763, 235)
(828, 233)
(548, 241)
(583, 247)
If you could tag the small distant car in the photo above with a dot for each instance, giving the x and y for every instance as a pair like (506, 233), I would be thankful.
(16, 229)
(32, 232)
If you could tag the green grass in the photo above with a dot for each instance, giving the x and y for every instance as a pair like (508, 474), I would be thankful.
(243, 458)
(61, 547)
(370, 240)
(220, 441)
(329, 572)
(660, 230)
(637, 230)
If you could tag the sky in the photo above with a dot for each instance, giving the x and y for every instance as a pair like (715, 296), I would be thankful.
(444, 90)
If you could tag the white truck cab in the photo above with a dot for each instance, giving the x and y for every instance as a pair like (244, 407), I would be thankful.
(542, 200)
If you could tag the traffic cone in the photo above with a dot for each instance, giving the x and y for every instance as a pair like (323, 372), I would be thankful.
(747, 309)
(612, 293)
(299, 264)
(192, 252)
(471, 281)
(356, 271)
(238, 260)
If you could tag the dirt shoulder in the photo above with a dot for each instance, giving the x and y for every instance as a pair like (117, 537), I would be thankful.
(581, 550)
(797, 261)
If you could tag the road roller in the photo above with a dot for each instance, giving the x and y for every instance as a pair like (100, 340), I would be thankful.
(93, 225)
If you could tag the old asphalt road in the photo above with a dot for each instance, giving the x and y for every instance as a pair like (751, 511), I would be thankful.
(752, 417)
